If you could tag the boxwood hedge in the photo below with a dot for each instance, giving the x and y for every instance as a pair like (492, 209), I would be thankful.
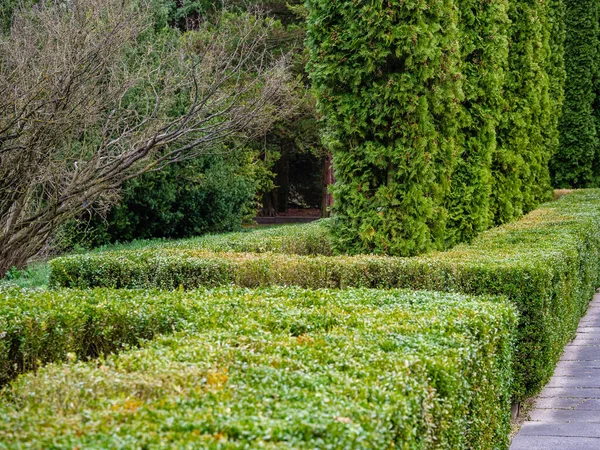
(547, 264)
(298, 239)
(277, 368)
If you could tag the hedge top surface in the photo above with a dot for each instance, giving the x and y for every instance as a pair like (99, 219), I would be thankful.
(280, 368)
(302, 239)
(547, 264)
(539, 237)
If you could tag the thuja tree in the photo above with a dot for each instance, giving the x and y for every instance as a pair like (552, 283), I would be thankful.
(555, 66)
(484, 48)
(520, 164)
(575, 163)
(387, 80)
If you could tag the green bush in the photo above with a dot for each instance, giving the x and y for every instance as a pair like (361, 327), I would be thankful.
(576, 164)
(547, 264)
(278, 368)
(555, 66)
(298, 239)
(207, 194)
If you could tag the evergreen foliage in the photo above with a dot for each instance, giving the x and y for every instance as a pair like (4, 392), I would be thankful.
(441, 115)
(547, 264)
(277, 368)
(557, 73)
(576, 162)
(484, 47)
(520, 166)
(386, 76)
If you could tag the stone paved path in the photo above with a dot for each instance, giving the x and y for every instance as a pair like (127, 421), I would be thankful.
(567, 413)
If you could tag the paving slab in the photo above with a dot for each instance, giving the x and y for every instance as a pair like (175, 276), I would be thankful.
(578, 365)
(570, 392)
(554, 443)
(591, 430)
(566, 415)
(571, 403)
(574, 353)
(579, 381)
(586, 341)
(577, 372)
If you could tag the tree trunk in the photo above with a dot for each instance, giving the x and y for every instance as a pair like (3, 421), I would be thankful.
(328, 180)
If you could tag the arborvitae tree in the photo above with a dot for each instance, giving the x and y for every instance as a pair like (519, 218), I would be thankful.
(556, 70)
(484, 48)
(574, 165)
(520, 165)
(387, 80)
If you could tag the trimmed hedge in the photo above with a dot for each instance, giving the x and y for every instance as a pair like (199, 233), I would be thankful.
(280, 368)
(39, 327)
(299, 239)
(547, 264)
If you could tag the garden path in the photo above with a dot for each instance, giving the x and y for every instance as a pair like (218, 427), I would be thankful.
(566, 415)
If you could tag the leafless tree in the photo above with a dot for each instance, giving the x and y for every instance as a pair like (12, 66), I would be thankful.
(84, 106)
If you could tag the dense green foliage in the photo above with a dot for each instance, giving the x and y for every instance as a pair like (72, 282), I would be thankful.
(484, 48)
(441, 115)
(555, 66)
(525, 134)
(576, 164)
(547, 264)
(298, 239)
(281, 368)
(208, 194)
(386, 76)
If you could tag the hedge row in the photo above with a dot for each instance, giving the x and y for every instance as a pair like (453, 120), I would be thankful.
(547, 264)
(440, 114)
(278, 368)
(299, 239)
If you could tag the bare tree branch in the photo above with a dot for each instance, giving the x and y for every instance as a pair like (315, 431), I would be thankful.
(85, 105)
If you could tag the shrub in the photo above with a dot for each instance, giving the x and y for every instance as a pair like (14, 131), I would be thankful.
(208, 194)
(547, 264)
(555, 66)
(299, 239)
(281, 368)
(525, 133)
